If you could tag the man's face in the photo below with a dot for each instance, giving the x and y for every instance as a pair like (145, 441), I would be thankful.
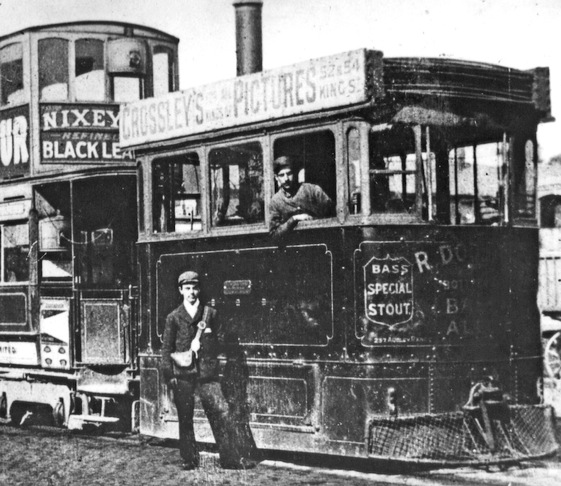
(285, 179)
(190, 292)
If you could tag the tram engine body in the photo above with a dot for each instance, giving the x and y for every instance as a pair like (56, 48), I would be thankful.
(405, 326)
(68, 217)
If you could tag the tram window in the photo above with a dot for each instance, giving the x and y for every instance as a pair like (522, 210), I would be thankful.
(236, 178)
(52, 202)
(90, 72)
(392, 170)
(53, 69)
(315, 154)
(475, 184)
(15, 253)
(526, 183)
(177, 194)
(126, 88)
(11, 74)
(162, 71)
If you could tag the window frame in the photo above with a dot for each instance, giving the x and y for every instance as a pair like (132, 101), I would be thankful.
(172, 68)
(341, 184)
(175, 158)
(503, 161)
(3, 224)
(367, 214)
(145, 81)
(147, 232)
(231, 143)
(103, 41)
(24, 74)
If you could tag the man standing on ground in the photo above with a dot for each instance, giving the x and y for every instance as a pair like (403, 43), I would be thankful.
(194, 327)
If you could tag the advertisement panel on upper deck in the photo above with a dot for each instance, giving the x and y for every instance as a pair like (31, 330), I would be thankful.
(341, 80)
(14, 142)
(80, 133)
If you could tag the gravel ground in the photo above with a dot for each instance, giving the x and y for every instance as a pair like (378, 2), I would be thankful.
(48, 456)
(38, 456)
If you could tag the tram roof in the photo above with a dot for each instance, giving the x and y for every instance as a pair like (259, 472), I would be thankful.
(80, 26)
(349, 81)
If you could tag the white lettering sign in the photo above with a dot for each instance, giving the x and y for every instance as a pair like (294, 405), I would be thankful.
(330, 82)
(13, 141)
(16, 352)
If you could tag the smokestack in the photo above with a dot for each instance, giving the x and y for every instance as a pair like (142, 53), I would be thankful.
(249, 43)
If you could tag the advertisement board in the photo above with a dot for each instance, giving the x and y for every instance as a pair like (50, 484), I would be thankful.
(80, 134)
(340, 80)
(14, 142)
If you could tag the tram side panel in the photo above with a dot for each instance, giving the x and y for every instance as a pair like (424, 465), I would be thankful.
(277, 315)
(338, 331)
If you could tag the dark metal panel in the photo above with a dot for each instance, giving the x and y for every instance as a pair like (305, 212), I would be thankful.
(13, 311)
(284, 296)
(102, 331)
(348, 402)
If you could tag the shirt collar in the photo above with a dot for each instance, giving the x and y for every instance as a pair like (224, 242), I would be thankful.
(192, 308)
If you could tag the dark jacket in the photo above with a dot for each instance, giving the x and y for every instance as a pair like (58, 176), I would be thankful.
(180, 330)
(308, 198)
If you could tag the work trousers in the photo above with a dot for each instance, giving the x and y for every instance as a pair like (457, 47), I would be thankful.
(217, 411)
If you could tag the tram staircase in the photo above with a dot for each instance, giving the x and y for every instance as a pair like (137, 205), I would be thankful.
(487, 431)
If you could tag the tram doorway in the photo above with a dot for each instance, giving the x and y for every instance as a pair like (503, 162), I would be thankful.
(87, 231)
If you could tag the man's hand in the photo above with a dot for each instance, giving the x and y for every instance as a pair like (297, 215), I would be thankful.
(173, 383)
(302, 217)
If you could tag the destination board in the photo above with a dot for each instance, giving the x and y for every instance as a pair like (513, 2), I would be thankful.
(341, 80)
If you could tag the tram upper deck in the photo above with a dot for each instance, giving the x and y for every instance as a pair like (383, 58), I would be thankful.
(60, 90)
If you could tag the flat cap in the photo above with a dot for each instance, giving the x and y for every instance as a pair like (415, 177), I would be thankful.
(188, 277)
(283, 162)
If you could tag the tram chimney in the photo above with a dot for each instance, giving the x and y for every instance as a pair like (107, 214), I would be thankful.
(249, 43)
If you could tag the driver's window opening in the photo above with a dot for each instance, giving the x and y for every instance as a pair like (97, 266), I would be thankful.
(177, 194)
(236, 184)
(314, 154)
(477, 174)
(105, 231)
(52, 202)
(392, 170)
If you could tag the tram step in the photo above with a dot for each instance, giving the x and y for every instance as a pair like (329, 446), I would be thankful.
(77, 421)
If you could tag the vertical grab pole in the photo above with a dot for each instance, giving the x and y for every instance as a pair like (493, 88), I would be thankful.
(506, 165)
(419, 168)
(429, 176)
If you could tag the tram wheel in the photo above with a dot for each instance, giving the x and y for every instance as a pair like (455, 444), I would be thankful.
(552, 356)
(59, 413)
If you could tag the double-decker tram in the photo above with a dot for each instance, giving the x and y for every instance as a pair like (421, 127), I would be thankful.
(68, 226)
(404, 326)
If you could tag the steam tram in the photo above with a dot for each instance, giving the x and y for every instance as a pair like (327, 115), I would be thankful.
(68, 229)
(405, 327)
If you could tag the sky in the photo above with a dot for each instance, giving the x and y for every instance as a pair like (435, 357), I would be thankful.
(521, 34)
